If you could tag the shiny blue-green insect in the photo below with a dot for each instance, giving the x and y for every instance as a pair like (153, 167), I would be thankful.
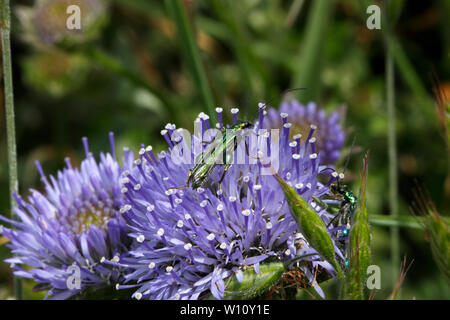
(345, 214)
(347, 206)
(346, 210)
(216, 155)
(221, 154)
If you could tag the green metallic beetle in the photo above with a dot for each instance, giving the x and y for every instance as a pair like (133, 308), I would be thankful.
(206, 161)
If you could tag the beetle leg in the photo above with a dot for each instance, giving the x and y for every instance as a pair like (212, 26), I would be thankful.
(225, 169)
(322, 204)
(177, 188)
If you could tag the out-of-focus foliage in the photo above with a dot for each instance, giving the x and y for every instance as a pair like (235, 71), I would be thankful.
(55, 72)
(125, 72)
(45, 23)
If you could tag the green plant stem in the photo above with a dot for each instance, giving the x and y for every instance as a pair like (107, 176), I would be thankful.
(392, 148)
(5, 25)
(401, 221)
(189, 48)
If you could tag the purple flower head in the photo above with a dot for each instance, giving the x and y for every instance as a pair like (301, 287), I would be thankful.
(189, 241)
(329, 133)
(67, 235)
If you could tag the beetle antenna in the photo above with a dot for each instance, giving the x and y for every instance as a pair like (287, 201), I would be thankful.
(349, 154)
(281, 95)
(347, 160)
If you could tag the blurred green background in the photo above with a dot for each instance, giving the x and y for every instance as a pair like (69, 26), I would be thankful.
(127, 71)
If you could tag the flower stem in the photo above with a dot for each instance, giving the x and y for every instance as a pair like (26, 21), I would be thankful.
(401, 221)
(392, 148)
(5, 25)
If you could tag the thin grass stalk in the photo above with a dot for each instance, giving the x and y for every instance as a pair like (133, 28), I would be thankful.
(239, 45)
(407, 71)
(392, 147)
(400, 221)
(398, 283)
(406, 68)
(5, 26)
(190, 50)
(254, 73)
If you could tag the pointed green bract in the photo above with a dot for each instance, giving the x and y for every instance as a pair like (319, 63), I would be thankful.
(440, 243)
(253, 284)
(436, 228)
(359, 261)
(310, 225)
(438, 231)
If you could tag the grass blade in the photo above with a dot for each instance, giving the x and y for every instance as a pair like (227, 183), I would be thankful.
(400, 221)
(254, 73)
(310, 58)
(190, 50)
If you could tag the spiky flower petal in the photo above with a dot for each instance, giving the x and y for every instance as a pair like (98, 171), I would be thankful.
(67, 236)
(191, 241)
(329, 134)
